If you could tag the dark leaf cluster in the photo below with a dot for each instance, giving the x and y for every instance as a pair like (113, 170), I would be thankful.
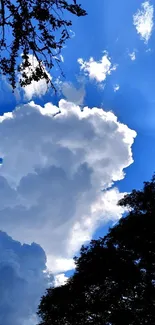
(36, 27)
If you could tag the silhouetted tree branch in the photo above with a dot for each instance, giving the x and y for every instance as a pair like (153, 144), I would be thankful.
(36, 27)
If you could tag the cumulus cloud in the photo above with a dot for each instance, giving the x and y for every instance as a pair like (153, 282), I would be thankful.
(143, 21)
(97, 70)
(36, 88)
(58, 166)
(22, 281)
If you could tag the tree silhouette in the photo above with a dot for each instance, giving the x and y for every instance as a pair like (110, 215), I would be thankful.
(114, 280)
(36, 27)
(135, 237)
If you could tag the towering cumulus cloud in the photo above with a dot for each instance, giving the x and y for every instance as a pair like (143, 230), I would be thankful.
(58, 166)
(22, 281)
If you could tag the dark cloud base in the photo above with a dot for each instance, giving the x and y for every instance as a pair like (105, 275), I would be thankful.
(22, 280)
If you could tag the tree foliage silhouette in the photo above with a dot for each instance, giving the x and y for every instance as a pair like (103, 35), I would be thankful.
(36, 27)
(114, 280)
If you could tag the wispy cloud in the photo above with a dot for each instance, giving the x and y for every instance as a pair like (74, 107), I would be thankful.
(71, 93)
(132, 56)
(143, 21)
(116, 87)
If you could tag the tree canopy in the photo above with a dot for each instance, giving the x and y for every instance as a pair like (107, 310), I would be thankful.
(114, 280)
(37, 27)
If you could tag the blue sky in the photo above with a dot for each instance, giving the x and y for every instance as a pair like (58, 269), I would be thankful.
(61, 176)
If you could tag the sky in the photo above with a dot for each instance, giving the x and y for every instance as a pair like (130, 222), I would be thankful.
(67, 158)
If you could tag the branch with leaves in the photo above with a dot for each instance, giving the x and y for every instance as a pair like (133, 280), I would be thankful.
(36, 27)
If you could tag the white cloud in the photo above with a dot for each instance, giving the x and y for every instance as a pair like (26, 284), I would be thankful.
(103, 210)
(60, 264)
(60, 279)
(56, 161)
(36, 88)
(132, 56)
(116, 87)
(143, 21)
(97, 70)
